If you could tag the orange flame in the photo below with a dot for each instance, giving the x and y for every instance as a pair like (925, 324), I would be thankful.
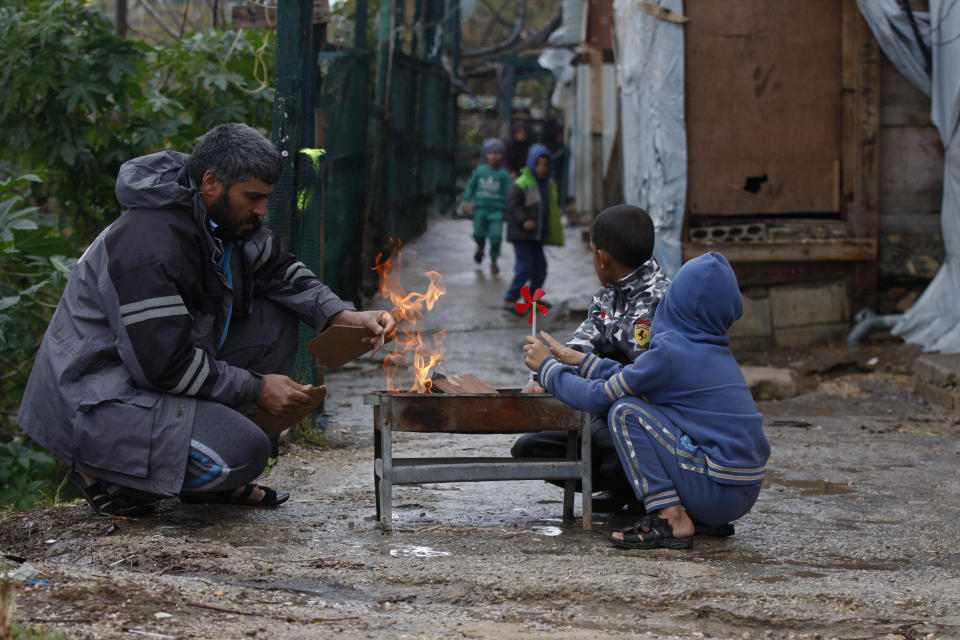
(408, 309)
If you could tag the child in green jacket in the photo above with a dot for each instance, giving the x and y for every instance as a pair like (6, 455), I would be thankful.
(486, 197)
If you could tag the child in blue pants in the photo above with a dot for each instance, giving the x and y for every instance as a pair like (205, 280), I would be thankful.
(685, 426)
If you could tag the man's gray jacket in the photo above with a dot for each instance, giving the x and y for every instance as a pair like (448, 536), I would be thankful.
(133, 342)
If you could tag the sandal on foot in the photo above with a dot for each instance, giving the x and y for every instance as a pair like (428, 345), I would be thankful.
(724, 530)
(270, 498)
(660, 534)
(105, 504)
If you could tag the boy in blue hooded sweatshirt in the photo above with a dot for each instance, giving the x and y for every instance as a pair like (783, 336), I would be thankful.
(685, 426)
(533, 219)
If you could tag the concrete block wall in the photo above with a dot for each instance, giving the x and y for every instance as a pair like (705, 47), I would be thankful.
(794, 315)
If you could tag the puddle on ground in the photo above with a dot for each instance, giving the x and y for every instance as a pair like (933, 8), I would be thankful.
(810, 487)
(854, 564)
(546, 531)
(413, 551)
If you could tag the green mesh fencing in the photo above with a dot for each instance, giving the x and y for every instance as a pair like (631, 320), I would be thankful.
(380, 174)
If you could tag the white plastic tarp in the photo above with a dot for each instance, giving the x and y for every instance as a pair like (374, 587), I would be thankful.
(651, 65)
(934, 319)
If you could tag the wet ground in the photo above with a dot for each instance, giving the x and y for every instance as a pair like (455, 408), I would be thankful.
(854, 535)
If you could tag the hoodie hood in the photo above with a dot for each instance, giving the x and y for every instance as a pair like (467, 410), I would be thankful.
(702, 302)
(155, 182)
(492, 145)
(537, 150)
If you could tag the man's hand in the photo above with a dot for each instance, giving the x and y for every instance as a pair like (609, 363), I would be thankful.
(529, 225)
(468, 207)
(382, 324)
(281, 396)
(534, 353)
(564, 354)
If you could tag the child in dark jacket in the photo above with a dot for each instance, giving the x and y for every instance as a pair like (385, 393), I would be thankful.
(531, 207)
(617, 326)
(686, 428)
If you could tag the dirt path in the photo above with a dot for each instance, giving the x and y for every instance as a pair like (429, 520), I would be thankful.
(846, 541)
(852, 537)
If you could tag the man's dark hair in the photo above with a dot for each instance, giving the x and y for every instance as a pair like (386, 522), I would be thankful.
(234, 152)
(625, 232)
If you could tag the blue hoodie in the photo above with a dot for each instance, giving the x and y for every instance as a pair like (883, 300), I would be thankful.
(688, 375)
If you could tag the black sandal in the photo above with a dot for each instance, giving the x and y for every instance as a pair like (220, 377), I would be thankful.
(270, 498)
(105, 504)
(660, 534)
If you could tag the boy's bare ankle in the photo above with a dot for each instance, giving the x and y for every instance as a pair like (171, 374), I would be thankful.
(679, 520)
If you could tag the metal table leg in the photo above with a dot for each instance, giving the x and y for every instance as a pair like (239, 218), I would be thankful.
(386, 479)
(377, 456)
(569, 486)
(586, 482)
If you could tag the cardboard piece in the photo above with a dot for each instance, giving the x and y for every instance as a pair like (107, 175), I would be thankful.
(273, 425)
(468, 383)
(338, 345)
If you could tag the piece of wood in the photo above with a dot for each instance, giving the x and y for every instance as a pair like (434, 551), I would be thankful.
(468, 383)
(338, 345)
(275, 425)
(600, 24)
(663, 13)
(257, 16)
(763, 89)
(866, 220)
(763, 274)
(596, 130)
(833, 249)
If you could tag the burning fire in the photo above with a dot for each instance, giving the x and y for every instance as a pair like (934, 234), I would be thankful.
(408, 309)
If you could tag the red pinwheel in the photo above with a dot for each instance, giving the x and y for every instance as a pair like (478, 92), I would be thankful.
(531, 303)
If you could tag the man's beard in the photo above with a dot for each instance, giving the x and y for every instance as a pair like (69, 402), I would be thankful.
(227, 224)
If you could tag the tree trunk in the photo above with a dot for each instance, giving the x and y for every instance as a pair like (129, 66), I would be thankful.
(120, 18)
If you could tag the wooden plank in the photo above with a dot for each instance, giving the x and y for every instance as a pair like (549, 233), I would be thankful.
(467, 383)
(600, 24)
(848, 105)
(832, 249)
(911, 171)
(757, 274)
(763, 87)
(866, 195)
(866, 218)
(596, 130)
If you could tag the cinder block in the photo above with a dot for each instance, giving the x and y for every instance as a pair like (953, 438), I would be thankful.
(770, 383)
(755, 321)
(936, 379)
(809, 305)
(810, 334)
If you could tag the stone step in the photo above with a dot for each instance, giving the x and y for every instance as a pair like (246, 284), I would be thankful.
(936, 377)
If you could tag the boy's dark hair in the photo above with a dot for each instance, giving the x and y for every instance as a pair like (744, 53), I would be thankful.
(234, 152)
(625, 232)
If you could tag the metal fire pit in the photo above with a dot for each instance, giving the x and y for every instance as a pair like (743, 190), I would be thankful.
(509, 411)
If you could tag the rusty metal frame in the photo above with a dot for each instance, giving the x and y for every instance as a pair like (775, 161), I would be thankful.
(507, 412)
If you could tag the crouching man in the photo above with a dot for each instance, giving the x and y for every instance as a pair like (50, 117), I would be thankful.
(181, 317)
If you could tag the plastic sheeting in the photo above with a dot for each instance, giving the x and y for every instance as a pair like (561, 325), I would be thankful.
(560, 63)
(571, 29)
(934, 319)
(651, 66)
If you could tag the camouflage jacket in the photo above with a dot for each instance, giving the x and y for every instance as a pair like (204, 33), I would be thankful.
(620, 313)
